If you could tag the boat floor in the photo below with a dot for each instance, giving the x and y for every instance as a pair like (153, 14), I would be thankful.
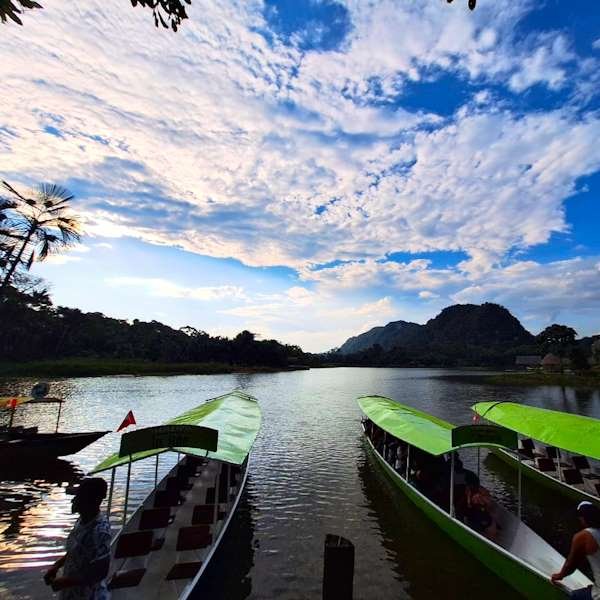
(521, 541)
(158, 563)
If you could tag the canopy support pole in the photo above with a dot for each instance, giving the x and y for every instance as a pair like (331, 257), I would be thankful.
(452, 485)
(58, 417)
(407, 461)
(478, 461)
(558, 460)
(126, 492)
(110, 491)
(156, 471)
(228, 483)
(217, 480)
(519, 506)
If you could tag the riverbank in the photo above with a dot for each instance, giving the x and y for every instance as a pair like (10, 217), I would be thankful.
(97, 367)
(589, 381)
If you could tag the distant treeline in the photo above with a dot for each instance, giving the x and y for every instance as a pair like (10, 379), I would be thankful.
(32, 328)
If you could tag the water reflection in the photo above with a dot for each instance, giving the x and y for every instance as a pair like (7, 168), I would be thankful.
(309, 476)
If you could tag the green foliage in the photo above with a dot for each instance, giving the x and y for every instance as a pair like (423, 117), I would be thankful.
(35, 330)
(556, 338)
(578, 360)
(33, 227)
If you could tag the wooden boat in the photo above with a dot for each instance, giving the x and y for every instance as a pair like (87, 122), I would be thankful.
(165, 546)
(26, 444)
(518, 555)
(557, 449)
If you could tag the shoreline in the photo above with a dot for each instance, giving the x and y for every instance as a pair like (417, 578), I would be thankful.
(98, 367)
(582, 382)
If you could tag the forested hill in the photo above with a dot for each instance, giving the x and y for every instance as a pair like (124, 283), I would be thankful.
(479, 325)
(33, 329)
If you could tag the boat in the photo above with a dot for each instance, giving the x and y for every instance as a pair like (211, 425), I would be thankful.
(163, 548)
(26, 444)
(557, 449)
(517, 554)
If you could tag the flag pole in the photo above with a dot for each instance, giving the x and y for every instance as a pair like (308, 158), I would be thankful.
(110, 492)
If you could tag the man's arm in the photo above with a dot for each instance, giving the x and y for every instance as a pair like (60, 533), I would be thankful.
(96, 571)
(50, 574)
(576, 556)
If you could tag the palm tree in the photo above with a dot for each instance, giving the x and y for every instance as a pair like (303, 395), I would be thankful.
(38, 226)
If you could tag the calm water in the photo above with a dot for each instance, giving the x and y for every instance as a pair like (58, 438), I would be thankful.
(310, 475)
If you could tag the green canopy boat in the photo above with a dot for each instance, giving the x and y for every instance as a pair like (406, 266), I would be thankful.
(556, 448)
(517, 554)
(165, 545)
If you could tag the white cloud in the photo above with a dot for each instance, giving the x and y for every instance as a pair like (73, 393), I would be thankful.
(427, 295)
(168, 289)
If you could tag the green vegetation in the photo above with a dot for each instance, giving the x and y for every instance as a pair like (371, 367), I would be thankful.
(94, 367)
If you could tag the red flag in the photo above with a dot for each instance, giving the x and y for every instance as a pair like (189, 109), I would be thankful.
(12, 403)
(475, 418)
(127, 421)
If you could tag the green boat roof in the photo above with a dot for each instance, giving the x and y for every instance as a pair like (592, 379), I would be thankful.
(427, 432)
(574, 433)
(235, 416)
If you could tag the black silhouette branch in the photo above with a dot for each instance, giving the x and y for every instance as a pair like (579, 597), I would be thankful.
(168, 13)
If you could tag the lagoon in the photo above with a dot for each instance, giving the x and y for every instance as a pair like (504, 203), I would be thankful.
(310, 475)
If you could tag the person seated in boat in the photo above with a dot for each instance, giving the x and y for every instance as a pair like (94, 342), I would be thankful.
(477, 507)
(585, 545)
(87, 560)
(400, 459)
(391, 449)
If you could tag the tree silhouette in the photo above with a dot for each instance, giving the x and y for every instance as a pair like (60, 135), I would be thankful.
(35, 226)
(168, 13)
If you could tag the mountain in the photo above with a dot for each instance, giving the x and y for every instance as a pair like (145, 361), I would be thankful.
(462, 325)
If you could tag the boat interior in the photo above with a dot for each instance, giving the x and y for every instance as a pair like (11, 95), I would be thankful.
(166, 541)
(575, 470)
(511, 533)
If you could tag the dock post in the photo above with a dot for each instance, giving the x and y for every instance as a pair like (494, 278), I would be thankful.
(338, 568)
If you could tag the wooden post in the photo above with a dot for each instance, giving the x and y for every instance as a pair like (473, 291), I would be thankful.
(338, 568)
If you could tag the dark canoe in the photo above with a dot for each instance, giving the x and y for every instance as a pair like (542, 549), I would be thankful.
(43, 446)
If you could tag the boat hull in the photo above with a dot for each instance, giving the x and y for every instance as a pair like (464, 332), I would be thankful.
(544, 479)
(46, 446)
(504, 565)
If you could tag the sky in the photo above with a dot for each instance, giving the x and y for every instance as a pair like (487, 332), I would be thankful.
(309, 169)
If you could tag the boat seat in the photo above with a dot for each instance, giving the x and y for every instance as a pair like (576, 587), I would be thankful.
(527, 444)
(174, 484)
(572, 476)
(526, 453)
(156, 518)
(580, 462)
(204, 514)
(138, 543)
(123, 579)
(193, 538)
(545, 464)
(210, 495)
(185, 570)
(167, 498)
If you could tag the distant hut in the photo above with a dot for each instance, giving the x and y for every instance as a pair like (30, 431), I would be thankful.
(551, 363)
(528, 361)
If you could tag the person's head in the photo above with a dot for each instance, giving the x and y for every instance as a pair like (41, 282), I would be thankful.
(89, 495)
(471, 480)
(589, 514)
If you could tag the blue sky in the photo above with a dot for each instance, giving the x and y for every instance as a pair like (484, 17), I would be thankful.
(310, 169)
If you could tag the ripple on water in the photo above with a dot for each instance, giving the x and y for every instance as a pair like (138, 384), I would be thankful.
(309, 476)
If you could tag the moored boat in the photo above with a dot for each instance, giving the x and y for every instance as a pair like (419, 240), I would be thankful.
(164, 547)
(516, 554)
(27, 444)
(557, 449)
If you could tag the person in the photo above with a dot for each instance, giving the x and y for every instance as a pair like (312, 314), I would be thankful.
(585, 544)
(86, 562)
(478, 507)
